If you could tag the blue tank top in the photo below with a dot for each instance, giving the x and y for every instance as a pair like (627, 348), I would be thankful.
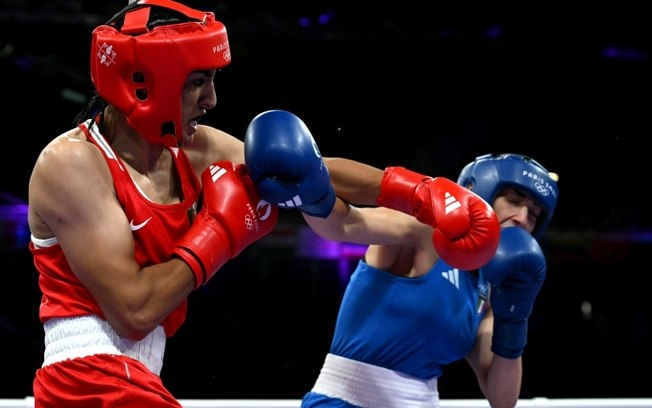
(412, 325)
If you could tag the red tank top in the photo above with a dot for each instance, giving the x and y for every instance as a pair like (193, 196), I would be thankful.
(156, 228)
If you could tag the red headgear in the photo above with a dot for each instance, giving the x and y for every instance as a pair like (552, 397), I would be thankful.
(141, 71)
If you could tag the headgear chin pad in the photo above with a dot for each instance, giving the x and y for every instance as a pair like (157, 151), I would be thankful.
(489, 174)
(142, 71)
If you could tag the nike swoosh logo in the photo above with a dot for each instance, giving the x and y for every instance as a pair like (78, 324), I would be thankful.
(138, 226)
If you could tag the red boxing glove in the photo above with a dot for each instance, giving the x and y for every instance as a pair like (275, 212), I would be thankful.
(467, 231)
(232, 216)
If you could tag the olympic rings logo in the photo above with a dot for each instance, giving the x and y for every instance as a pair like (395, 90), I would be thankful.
(541, 189)
(249, 223)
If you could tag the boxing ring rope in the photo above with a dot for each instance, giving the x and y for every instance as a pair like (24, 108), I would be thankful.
(540, 402)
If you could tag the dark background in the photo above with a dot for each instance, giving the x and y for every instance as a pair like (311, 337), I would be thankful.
(428, 86)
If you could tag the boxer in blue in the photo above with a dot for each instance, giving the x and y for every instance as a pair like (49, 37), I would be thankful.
(412, 307)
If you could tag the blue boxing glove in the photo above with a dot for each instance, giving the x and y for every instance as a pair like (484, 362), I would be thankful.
(516, 274)
(286, 165)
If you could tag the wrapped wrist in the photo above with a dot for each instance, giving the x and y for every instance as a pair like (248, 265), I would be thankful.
(205, 248)
(509, 338)
(398, 189)
(323, 206)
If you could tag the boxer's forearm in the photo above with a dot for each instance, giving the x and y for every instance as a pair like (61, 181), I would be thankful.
(355, 182)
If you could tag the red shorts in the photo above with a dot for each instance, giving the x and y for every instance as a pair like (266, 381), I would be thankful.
(100, 381)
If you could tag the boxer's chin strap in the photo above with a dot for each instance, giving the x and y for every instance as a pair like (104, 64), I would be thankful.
(135, 21)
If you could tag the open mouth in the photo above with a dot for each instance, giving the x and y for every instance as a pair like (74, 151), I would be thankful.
(194, 122)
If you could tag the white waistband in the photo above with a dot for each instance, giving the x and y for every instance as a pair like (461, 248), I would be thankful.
(72, 337)
(367, 385)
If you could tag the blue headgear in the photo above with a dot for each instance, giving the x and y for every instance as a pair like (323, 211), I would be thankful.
(488, 175)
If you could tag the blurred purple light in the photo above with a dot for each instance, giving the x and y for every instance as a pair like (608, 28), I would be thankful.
(346, 254)
(624, 54)
(494, 32)
(313, 246)
(326, 17)
(14, 231)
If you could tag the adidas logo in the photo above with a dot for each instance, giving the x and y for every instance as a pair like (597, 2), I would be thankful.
(451, 203)
(453, 276)
(216, 172)
(292, 203)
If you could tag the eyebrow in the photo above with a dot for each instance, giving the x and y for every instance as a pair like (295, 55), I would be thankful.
(205, 72)
(523, 194)
(516, 191)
